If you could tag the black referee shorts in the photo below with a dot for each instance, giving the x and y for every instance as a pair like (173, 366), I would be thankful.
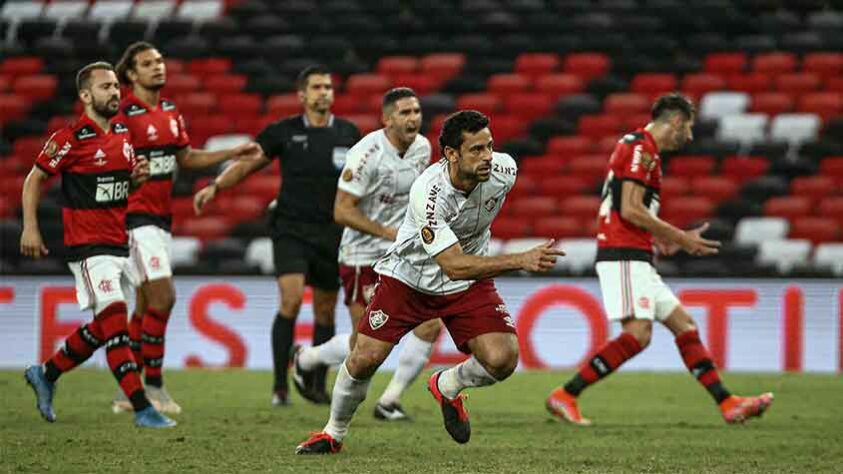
(315, 258)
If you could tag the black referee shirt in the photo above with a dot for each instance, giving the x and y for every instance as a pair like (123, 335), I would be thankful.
(311, 160)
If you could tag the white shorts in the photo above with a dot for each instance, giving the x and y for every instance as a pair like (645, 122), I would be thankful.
(102, 280)
(149, 249)
(634, 289)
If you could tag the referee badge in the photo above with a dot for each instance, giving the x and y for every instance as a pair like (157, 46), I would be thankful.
(339, 156)
(427, 235)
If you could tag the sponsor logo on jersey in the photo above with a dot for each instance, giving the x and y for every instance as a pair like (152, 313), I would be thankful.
(61, 154)
(51, 148)
(338, 157)
(347, 175)
(167, 105)
(99, 157)
(109, 189)
(134, 109)
(151, 133)
(427, 235)
(430, 205)
(120, 128)
(377, 319)
(86, 132)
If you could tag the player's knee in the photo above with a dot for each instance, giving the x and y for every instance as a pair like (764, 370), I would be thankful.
(163, 299)
(290, 306)
(362, 364)
(642, 333)
(501, 363)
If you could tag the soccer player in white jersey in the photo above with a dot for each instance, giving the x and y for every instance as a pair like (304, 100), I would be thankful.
(372, 196)
(438, 267)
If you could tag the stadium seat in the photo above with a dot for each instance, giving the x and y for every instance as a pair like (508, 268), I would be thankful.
(626, 103)
(222, 142)
(725, 63)
(743, 128)
(527, 106)
(510, 227)
(599, 126)
(21, 10)
(797, 83)
(784, 254)
(562, 186)
(825, 65)
(831, 207)
(200, 10)
(653, 84)
(683, 211)
(771, 103)
(751, 83)
(394, 65)
(674, 186)
(535, 65)
(715, 188)
(716, 105)
(184, 251)
(569, 146)
(579, 254)
(442, 66)
(788, 207)
(831, 166)
(774, 63)
(830, 255)
(690, 166)
(557, 227)
(488, 104)
(744, 168)
(65, 9)
(208, 67)
(534, 207)
(815, 229)
(367, 84)
(543, 166)
(259, 252)
(221, 83)
(826, 105)
(586, 65)
(110, 10)
(584, 208)
(559, 85)
(754, 230)
(813, 187)
(507, 84)
(698, 85)
(795, 128)
(154, 10)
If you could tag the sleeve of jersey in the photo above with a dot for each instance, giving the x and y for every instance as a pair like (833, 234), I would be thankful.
(633, 162)
(357, 174)
(53, 158)
(267, 139)
(183, 139)
(429, 211)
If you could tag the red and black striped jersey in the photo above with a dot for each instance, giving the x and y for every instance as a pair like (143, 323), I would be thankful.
(95, 167)
(158, 133)
(635, 158)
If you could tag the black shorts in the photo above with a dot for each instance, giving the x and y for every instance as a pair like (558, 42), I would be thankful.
(315, 258)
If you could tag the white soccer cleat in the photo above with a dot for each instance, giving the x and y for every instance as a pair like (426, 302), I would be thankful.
(161, 400)
(121, 403)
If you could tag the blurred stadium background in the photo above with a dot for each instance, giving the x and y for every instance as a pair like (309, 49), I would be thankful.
(561, 79)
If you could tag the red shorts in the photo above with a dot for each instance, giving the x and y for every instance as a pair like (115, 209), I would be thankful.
(397, 309)
(358, 284)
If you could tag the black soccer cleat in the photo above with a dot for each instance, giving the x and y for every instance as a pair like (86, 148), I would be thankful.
(391, 412)
(302, 379)
(453, 411)
(319, 443)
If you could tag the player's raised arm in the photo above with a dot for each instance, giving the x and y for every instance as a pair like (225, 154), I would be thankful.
(31, 243)
(231, 176)
(459, 266)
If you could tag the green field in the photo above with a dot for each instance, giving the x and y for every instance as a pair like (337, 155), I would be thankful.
(650, 422)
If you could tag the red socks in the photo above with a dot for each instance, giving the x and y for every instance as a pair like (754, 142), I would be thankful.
(152, 345)
(698, 361)
(607, 360)
(114, 326)
(77, 349)
(135, 332)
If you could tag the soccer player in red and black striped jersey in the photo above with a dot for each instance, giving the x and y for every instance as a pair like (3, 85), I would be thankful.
(633, 292)
(158, 132)
(99, 170)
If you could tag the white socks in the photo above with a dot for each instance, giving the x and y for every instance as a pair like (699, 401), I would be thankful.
(348, 394)
(332, 352)
(468, 374)
(414, 356)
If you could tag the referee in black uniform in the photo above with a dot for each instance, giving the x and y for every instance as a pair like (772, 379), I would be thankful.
(311, 148)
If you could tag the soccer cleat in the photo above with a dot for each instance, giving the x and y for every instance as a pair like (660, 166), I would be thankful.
(44, 391)
(303, 380)
(279, 398)
(161, 400)
(120, 403)
(150, 418)
(391, 412)
(563, 405)
(453, 411)
(740, 409)
(319, 443)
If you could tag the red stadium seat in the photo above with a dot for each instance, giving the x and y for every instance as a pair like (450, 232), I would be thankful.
(366, 85)
(366, 123)
(7, 208)
(442, 66)
(598, 126)
(626, 103)
(653, 83)
(182, 207)
(209, 125)
(174, 65)
(569, 146)
(205, 228)
(813, 187)
(744, 168)
(12, 107)
(11, 187)
(832, 166)
(59, 121)
(209, 66)
(559, 85)
(774, 63)
(827, 105)
(526, 185)
(580, 207)
(691, 166)
(505, 128)
(22, 65)
(506, 84)
(815, 229)
(633, 122)
(534, 207)
(716, 188)
(563, 186)
(510, 227)
(586, 65)
(788, 207)
(28, 147)
(543, 166)
(178, 84)
(283, 105)
(537, 64)
(240, 104)
(343, 104)
(825, 65)
(421, 84)
(797, 83)
(771, 103)
(225, 83)
(558, 227)
(702, 83)
(489, 104)
(606, 145)
(263, 186)
(243, 208)
(725, 63)
(392, 65)
(685, 211)
(752, 83)
(831, 208)
(674, 186)
(37, 87)
(5, 83)
(527, 106)
(196, 103)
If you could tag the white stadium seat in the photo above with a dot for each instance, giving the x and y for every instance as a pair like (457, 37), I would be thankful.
(743, 128)
(107, 11)
(200, 10)
(185, 251)
(579, 254)
(259, 252)
(830, 254)
(66, 10)
(795, 128)
(754, 230)
(715, 105)
(784, 254)
(21, 10)
(154, 10)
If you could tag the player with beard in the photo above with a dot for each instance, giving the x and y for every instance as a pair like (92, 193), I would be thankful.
(158, 132)
(438, 266)
(633, 292)
(372, 196)
(311, 148)
(98, 169)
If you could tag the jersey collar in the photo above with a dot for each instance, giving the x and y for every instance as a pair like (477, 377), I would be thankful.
(307, 122)
(648, 137)
(131, 98)
(85, 121)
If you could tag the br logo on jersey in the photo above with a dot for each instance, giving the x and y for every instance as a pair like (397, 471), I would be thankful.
(427, 235)
(377, 319)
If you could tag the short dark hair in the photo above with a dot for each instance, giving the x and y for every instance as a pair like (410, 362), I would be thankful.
(673, 102)
(395, 94)
(83, 77)
(304, 75)
(128, 61)
(470, 121)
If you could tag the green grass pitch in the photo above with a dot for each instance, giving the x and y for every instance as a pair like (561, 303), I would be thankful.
(644, 422)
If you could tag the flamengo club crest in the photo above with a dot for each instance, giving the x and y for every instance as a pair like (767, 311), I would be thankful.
(151, 133)
(377, 319)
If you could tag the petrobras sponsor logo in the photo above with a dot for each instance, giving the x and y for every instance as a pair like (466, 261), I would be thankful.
(109, 189)
(161, 164)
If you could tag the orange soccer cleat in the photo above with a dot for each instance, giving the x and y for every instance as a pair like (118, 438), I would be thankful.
(563, 405)
(319, 443)
(453, 411)
(739, 409)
